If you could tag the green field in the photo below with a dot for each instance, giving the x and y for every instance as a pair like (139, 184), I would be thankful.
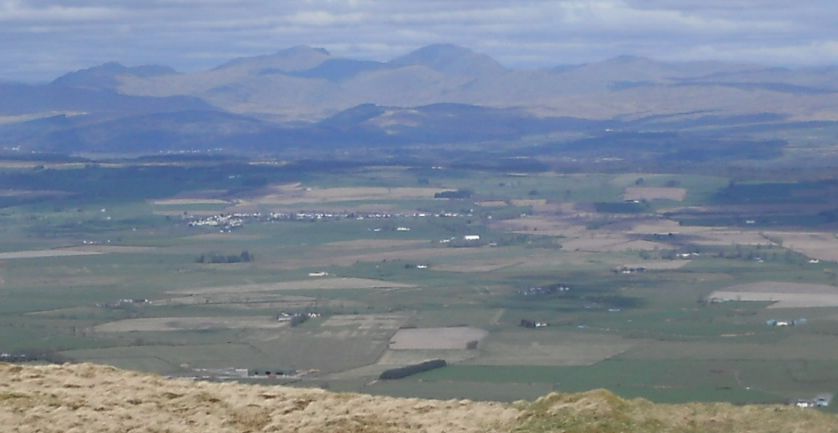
(105, 273)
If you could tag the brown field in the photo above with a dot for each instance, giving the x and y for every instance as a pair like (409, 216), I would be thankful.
(577, 236)
(179, 212)
(662, 226)
(818, 245)
(543, 226)
(704, 235)
(223, 237)
(781, 300)
(531, 258)
(481, 265)
(326, 257)
(783, 287)
(375, 328)
(654, 193)
(107, 249)
(58, 312)
(365, 321)
(36, 254)
(228, 299)
(68, 279)
(371, 244)
(658, 265)
(609, 242)
(731, 237)
(86, 250)
(314, 284)
(435, 338)
(492, 203)
(296, 194)
(186, 201)
(535, 203)
(164, 324)
(783, 295)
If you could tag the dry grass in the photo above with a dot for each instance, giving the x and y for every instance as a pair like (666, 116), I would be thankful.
(313, 284)
(817, 245)
(482, 265)
(229, 299)
(186, 201)
(107, 249)
(658, 265)
(543, 226)
(704, 235)
(87, 250)
(166, 324)
(436, 338)
(492, 203)
(369, 244)
(609, 242)
(95, 399)
(603, 412)
(654, 193)
(87, 398)
(36, 254)
(783, 295)
(367, 322)
(330, 256)
(295, 194)
(537, 203)
(780, 300)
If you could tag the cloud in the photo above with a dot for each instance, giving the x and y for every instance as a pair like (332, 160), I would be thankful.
(41, 39)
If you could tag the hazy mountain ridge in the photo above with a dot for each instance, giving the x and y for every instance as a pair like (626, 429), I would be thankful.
(294, 96)
(305, 82)
(91, 398)
(106, 76)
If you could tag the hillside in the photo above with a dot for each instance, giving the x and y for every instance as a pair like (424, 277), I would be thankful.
(306, 98)
(90, 398)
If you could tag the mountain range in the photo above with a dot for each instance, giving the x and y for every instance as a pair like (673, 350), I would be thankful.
(436, 94)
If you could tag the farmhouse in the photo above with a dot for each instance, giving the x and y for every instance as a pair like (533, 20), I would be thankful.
(785, 323)
(532, 324)
(630, 269)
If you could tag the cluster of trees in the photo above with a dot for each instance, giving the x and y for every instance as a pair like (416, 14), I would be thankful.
(244, 257)
(460, 193)
(409, 370)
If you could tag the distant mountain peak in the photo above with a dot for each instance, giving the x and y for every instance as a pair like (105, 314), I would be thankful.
(450, 58)
(629, 58)
(437, 50)
(105, 76)
(301, 49)
(291, 59)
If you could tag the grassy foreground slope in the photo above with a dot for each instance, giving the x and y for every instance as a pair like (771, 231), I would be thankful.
(91, 398)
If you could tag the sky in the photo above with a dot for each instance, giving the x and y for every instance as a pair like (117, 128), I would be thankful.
(42, 39)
